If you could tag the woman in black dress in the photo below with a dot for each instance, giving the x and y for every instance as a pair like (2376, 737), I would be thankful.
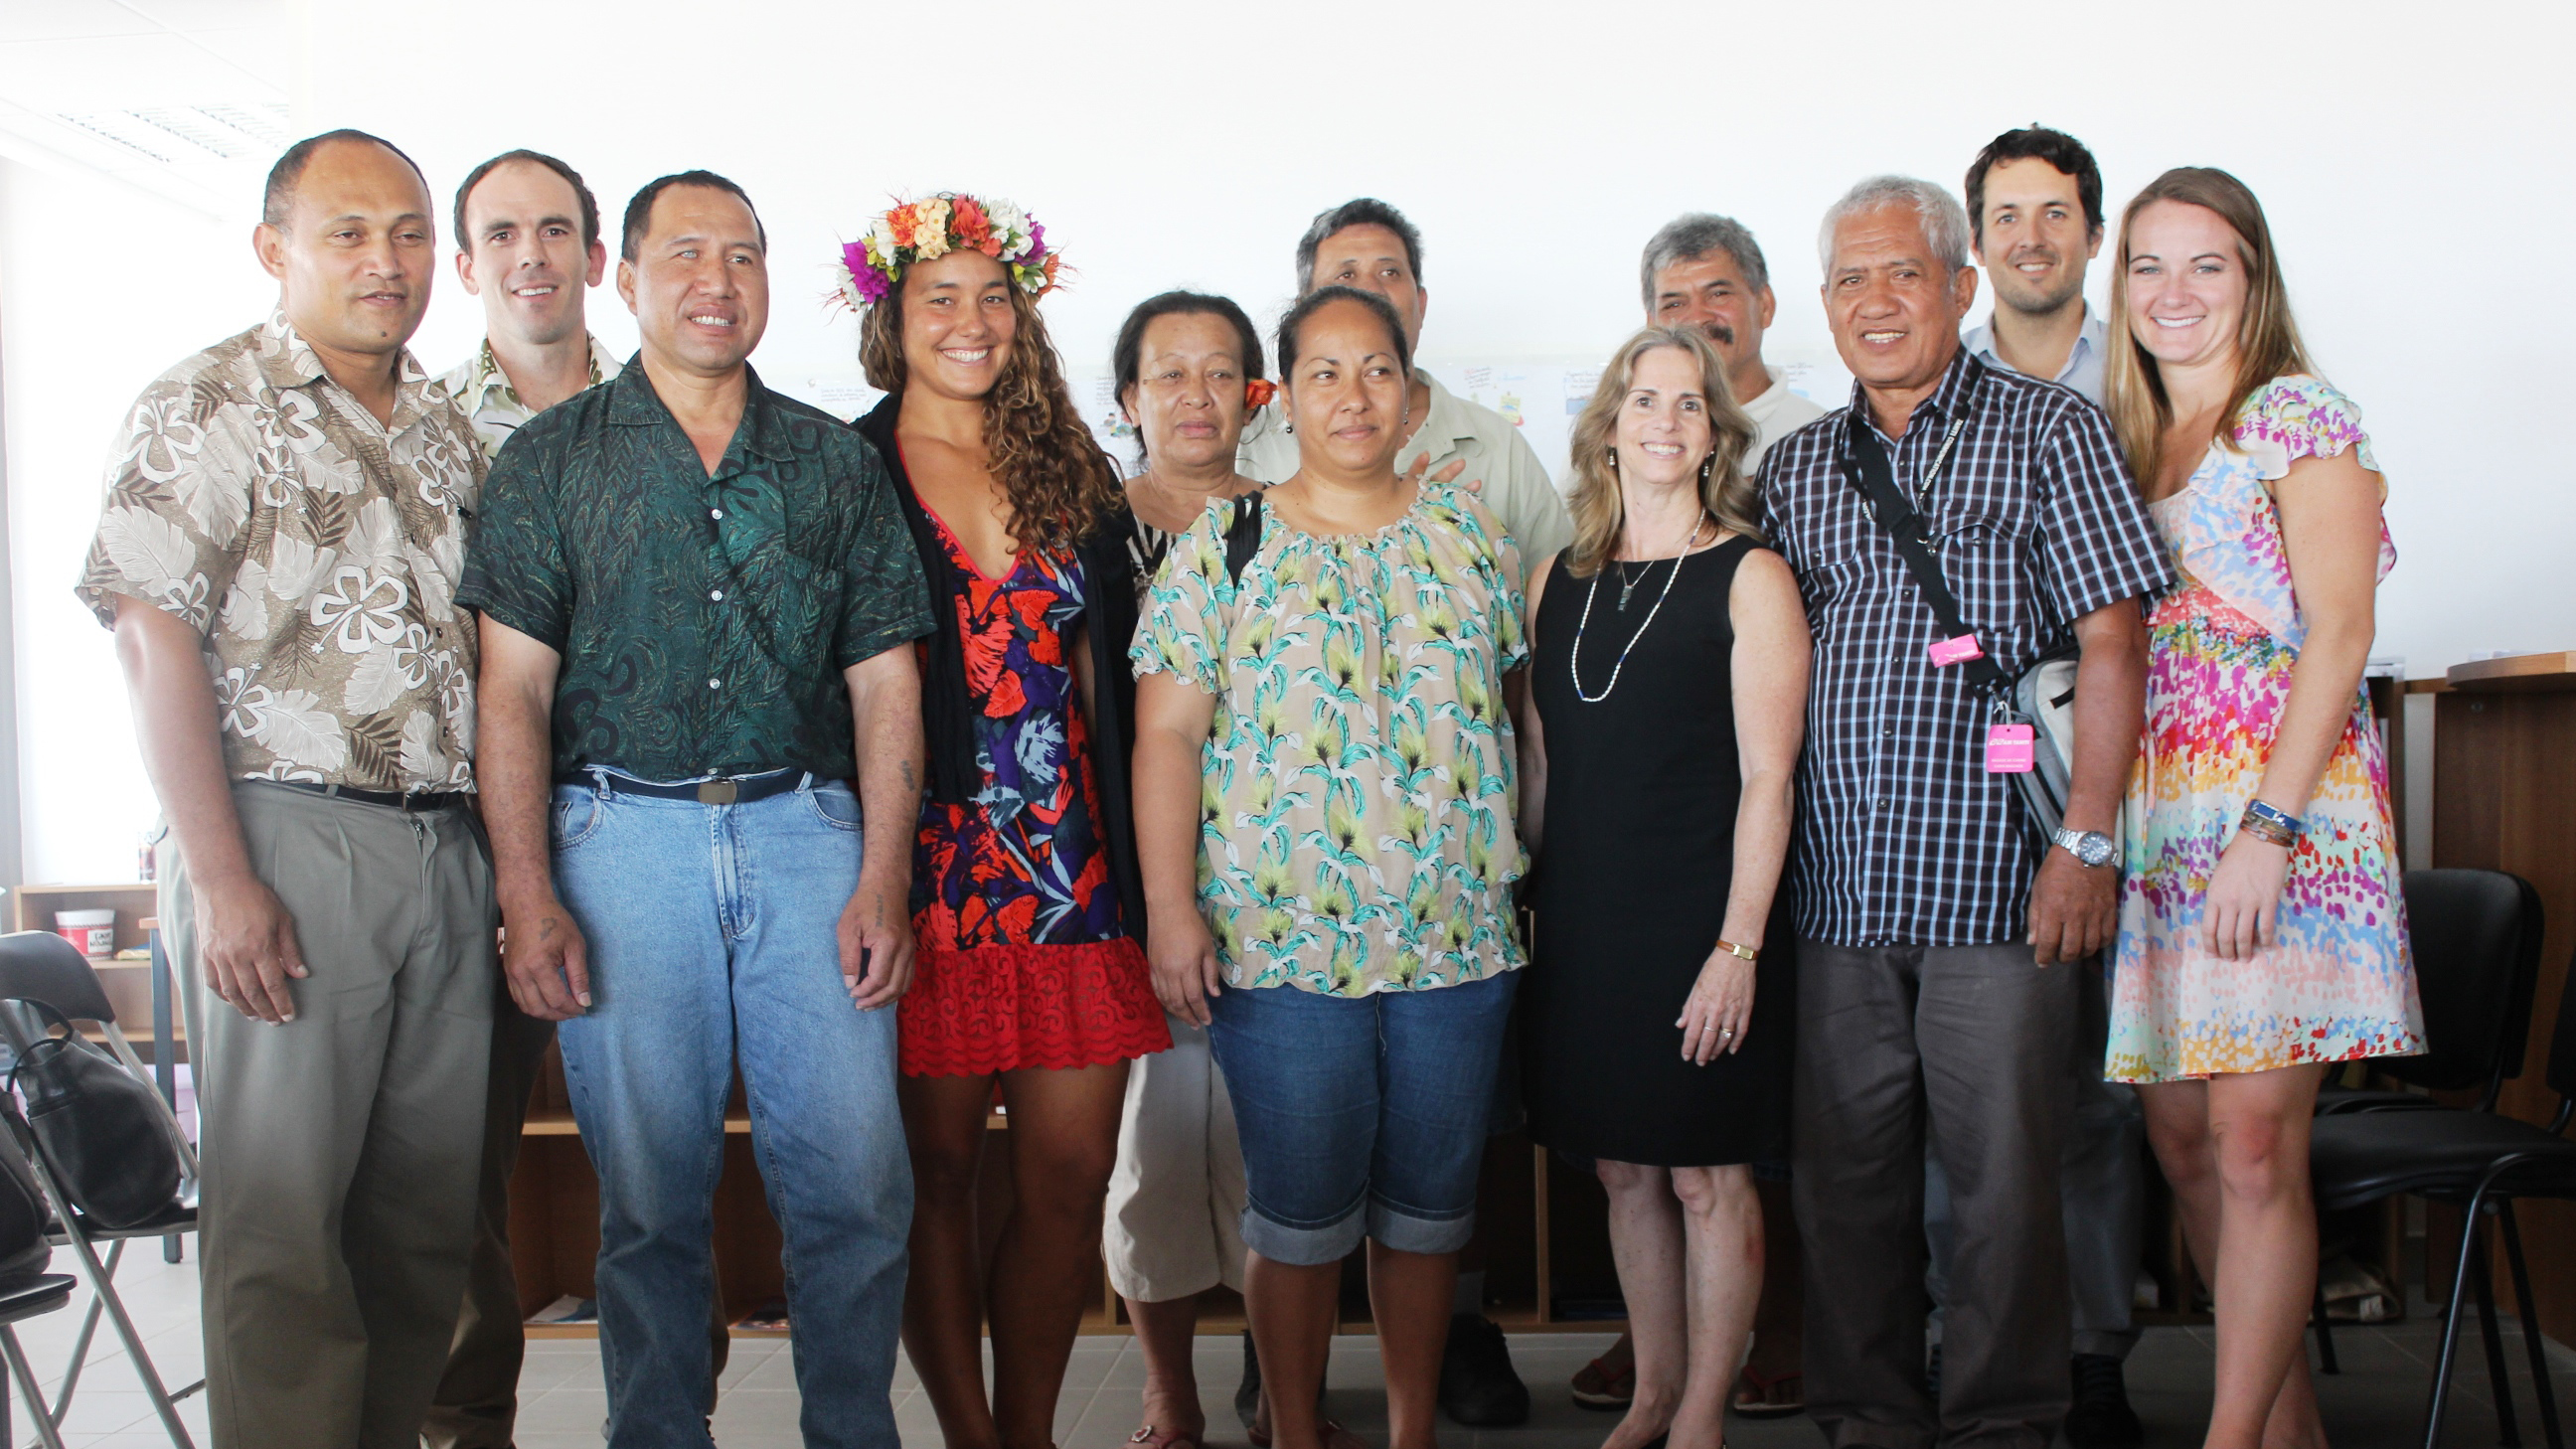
(1666, 706)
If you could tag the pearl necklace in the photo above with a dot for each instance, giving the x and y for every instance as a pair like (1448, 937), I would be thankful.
(1574, 657)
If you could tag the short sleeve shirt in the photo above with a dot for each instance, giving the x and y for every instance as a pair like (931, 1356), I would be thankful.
(1904, 839)
(1357, 827)
(704, 621)
(492, 405)
(317, 553)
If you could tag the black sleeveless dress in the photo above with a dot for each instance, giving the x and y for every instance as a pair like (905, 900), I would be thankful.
(1630, 897)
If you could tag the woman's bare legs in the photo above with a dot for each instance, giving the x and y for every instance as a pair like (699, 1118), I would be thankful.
(1293, 1308)
(1166, 1335)
(943, 1298)
(2235, 1149)
(1722, 1233)
(1780, 1318)
(1648, 1244)
(1411, 1295)
(1064, 1140)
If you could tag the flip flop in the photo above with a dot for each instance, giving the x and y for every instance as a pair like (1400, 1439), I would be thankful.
(1762, 1405)
(1150, 1437)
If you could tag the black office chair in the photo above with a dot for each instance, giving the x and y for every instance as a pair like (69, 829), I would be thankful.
(2482, 1161)
(2476, 940)
(42, 1295)
(41, 966)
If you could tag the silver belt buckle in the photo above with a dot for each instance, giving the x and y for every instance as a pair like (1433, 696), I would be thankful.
(718, 792)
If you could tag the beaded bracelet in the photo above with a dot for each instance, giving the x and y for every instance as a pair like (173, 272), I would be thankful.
(2266, 823)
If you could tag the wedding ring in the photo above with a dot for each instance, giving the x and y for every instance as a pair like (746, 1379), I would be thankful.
(1726, 1031)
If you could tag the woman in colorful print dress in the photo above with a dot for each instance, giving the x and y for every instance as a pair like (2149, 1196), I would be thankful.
(1028, 979)
(1324, 769)
(2262, 933)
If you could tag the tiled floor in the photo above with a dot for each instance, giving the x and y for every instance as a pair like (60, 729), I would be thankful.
(2376, 1403)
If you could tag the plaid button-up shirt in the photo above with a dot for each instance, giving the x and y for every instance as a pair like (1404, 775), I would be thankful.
(1904, 838)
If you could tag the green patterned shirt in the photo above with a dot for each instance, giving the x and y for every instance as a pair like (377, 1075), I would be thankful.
(704, 621)
(1357, 808)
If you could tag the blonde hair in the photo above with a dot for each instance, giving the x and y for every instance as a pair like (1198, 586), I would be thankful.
(1599, 510)
(2267, 336)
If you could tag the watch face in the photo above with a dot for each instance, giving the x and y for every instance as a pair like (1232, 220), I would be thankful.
(2093, 848)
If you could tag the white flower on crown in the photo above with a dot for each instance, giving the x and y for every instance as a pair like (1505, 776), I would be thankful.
(1010, 225)
(882, 243)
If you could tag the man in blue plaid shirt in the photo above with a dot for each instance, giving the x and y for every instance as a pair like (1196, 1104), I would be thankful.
(1938, 935)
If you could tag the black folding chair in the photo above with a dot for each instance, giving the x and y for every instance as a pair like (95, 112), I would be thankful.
(43, 1295)
(2482, 1161)
(2476, 938)
(41, 966)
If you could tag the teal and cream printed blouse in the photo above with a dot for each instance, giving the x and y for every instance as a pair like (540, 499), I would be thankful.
(1357, 813)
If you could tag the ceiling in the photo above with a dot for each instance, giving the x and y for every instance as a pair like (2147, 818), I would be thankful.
(188, 100)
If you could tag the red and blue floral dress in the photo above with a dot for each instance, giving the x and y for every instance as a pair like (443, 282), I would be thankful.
(1024, 961)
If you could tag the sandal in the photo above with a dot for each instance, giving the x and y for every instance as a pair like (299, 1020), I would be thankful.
(1756, 1395)
(1334, 1436)
(1150, 1437)
(1602, 1385)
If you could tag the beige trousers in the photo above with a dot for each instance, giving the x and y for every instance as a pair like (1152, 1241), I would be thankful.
(1173, 1227)
(341, 1148)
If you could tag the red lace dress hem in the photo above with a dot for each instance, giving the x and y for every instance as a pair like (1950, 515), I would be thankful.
(1008, 1007)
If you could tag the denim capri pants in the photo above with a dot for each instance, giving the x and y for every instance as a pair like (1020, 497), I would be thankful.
(1361, 1116)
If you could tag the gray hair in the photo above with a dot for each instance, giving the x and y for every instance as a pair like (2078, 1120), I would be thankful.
(1945, 224)
(1693, 235)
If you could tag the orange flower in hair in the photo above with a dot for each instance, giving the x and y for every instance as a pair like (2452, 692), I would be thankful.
(1258, 391)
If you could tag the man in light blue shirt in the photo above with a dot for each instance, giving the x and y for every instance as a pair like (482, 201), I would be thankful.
(2035, 213)
(2035, 204)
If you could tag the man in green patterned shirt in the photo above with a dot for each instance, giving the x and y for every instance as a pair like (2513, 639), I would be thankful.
(698, 603)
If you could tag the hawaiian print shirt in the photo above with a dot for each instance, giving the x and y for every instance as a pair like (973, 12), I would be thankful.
(704, 621)
(315, 549)
(492, 405)
(1357, 814)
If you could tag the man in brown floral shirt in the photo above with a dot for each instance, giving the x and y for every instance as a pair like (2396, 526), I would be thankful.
(278, 554)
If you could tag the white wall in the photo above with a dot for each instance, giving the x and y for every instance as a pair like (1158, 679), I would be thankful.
(101, 288)
(2413, 167)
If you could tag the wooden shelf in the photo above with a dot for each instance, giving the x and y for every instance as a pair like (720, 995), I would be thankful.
(558, 1122)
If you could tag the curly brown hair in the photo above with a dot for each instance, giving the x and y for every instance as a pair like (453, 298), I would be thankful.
(1060, 485)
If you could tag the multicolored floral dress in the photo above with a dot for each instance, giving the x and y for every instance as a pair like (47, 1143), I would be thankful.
(2340, 983)
(1358, 808)
(1024, 961)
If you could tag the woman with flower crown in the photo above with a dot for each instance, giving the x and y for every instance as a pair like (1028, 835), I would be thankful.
(1030, 980)
(1186, 369)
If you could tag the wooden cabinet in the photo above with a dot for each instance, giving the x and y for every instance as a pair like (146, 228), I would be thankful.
(2504, 798)
(1542, 1229)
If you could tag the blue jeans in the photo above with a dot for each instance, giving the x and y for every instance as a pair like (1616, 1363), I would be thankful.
(1361, 1115)
(711, 933)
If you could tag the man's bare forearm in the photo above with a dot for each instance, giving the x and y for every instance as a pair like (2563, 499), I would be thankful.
(2110, 713)
(885, 718)
(177, 726)
(514, 770)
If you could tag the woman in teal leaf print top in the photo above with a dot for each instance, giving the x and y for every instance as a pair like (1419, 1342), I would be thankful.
(1324, 805)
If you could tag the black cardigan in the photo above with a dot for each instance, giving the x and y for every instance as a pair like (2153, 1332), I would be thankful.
(1109, 612)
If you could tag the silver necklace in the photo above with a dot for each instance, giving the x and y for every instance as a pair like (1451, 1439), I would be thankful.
(1574, 657)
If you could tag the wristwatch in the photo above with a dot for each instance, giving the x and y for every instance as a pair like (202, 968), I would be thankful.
(2091, 847)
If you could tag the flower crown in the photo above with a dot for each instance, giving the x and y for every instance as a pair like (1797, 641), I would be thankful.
(934, 226)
